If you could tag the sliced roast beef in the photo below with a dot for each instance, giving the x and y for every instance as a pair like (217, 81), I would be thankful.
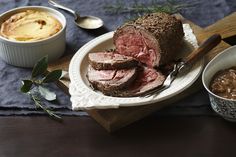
(147, 79)
(111, 60)
(109, 80)
(153, 39)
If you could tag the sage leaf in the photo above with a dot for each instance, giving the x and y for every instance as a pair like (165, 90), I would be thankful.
(47, 94)
(26, 86)
(40, 67)
(52, 76)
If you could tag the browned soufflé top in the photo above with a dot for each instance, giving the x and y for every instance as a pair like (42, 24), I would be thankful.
(30, 25)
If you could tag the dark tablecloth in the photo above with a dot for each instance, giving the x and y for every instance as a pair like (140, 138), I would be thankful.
(13, 102)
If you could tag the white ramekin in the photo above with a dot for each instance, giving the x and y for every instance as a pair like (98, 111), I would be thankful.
(26, 54)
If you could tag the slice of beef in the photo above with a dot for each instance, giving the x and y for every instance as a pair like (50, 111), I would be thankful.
(147, 79)
(109, 80)
(153, 39)
(111, 60)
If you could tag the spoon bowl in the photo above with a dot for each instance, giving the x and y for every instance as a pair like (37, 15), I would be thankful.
(89, 22)
(85, 22)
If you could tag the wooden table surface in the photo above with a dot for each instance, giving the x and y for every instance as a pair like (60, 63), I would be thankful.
(82, 137)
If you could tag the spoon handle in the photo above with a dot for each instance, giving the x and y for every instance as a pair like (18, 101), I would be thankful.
(57, 5)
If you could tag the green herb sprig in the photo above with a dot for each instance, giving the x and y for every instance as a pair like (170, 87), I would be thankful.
(170, 6)
(35, 86)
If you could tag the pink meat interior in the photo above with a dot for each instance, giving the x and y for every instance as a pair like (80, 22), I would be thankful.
(140, 45)
(110, 76)
(101, 75)
(147, 79)
(107, 57)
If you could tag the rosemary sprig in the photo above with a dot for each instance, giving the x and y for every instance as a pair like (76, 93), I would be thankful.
(35, 86)
(169, 6)
(38, 104)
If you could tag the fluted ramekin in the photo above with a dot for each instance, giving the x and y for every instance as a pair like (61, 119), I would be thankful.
(27, 53)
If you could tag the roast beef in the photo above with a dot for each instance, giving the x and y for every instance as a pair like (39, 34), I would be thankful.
(147, 79)
(110, 60)
(110, 80)
(153, 39)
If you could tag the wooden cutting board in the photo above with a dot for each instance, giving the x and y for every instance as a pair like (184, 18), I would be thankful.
(113, 119)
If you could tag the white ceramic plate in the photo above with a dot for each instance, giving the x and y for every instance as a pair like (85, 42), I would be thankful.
(83, 96)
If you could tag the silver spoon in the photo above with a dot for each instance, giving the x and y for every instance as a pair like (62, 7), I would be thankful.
(86, 22)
